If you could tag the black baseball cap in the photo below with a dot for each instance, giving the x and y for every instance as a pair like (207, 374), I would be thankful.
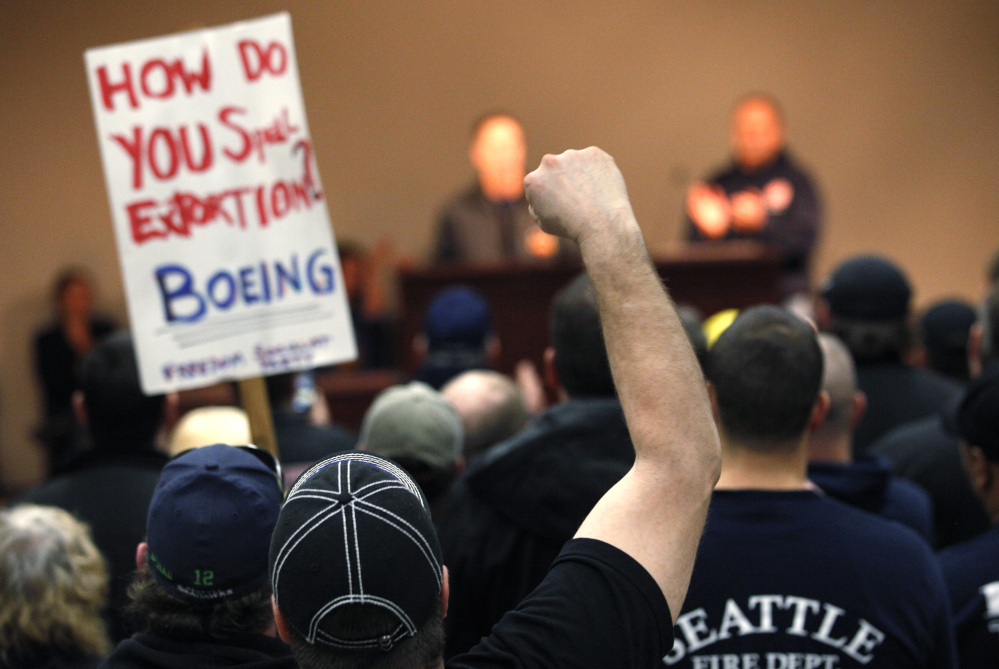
(355, 530)
(868, 287)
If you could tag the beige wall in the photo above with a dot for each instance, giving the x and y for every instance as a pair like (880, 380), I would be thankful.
(892, 104)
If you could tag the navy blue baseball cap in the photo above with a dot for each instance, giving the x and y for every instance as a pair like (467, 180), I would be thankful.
(457, 315)
(868, 287)
(210, 522)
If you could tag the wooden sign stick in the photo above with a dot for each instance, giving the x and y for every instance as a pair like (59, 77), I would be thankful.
(253, 396)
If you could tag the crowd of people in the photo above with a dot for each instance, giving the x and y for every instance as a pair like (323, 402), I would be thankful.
(776, 491)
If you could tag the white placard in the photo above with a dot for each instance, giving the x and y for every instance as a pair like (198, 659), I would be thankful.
(225, 242)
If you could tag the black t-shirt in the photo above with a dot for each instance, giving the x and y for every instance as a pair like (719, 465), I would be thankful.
(795, 579)
(972, 574)
(597, 607)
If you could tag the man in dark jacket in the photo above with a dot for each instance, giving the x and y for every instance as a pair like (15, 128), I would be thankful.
(109, 486)
(925, 452)
(762, 196)
(866, 482)
(866, 303)
(512, 510)
(201, 584)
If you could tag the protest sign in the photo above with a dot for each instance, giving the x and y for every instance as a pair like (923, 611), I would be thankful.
(225, 242)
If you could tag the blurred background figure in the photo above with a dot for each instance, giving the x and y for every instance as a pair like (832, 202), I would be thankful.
(209, 425)
(110, 485)
(489, 221)
(365, 276)
(925, 452)
(301, 440)
(53, 585)
(491, 407)
(417, 427)
(971, 569)
(59, 350)
(762, 195)
(866, 303)
(457, 336)
(942, 338)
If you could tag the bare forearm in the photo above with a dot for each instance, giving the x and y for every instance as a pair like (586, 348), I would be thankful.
(656, 373)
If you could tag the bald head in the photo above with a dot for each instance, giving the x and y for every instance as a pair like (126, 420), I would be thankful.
(839, 380)
(490, 405)
(498, 152)
(757, 132)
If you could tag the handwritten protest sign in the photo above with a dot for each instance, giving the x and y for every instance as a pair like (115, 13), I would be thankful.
(223, 234)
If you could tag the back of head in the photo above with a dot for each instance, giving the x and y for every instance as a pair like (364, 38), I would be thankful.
(839, 380)
(208, 532)
(457, 327)
(975, 419)
(868, 301)
(943, 330)
(490, 405)
(53, 584)
(418, 428)
(766, 369)
(356, 567)
(209, 425)
(578, 339)
(120, 416)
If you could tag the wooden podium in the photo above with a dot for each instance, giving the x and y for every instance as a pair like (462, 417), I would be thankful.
(707, 277)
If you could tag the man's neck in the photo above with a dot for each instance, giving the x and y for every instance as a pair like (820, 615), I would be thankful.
(750, 467)
(832, 448)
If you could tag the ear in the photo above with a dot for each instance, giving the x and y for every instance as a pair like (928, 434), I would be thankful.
(494, 349)
(977, 467)
(141, 555)
(549, 374)
(819, 411)
(80, 408)
(445, 593)
(420, 346)
(975, 349)
(281, 624)
(823, 315)
(713, 396)
(858, 410)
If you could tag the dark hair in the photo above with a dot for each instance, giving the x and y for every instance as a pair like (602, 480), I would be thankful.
(67, 277)
(119, 414)
(423, 650)
(173, 618)
(280, 388)
(766, 369)
(433, 481)
(873, 341)
(578, 340)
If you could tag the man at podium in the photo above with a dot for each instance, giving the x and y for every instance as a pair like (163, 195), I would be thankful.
(762, 195)
(489, 221)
